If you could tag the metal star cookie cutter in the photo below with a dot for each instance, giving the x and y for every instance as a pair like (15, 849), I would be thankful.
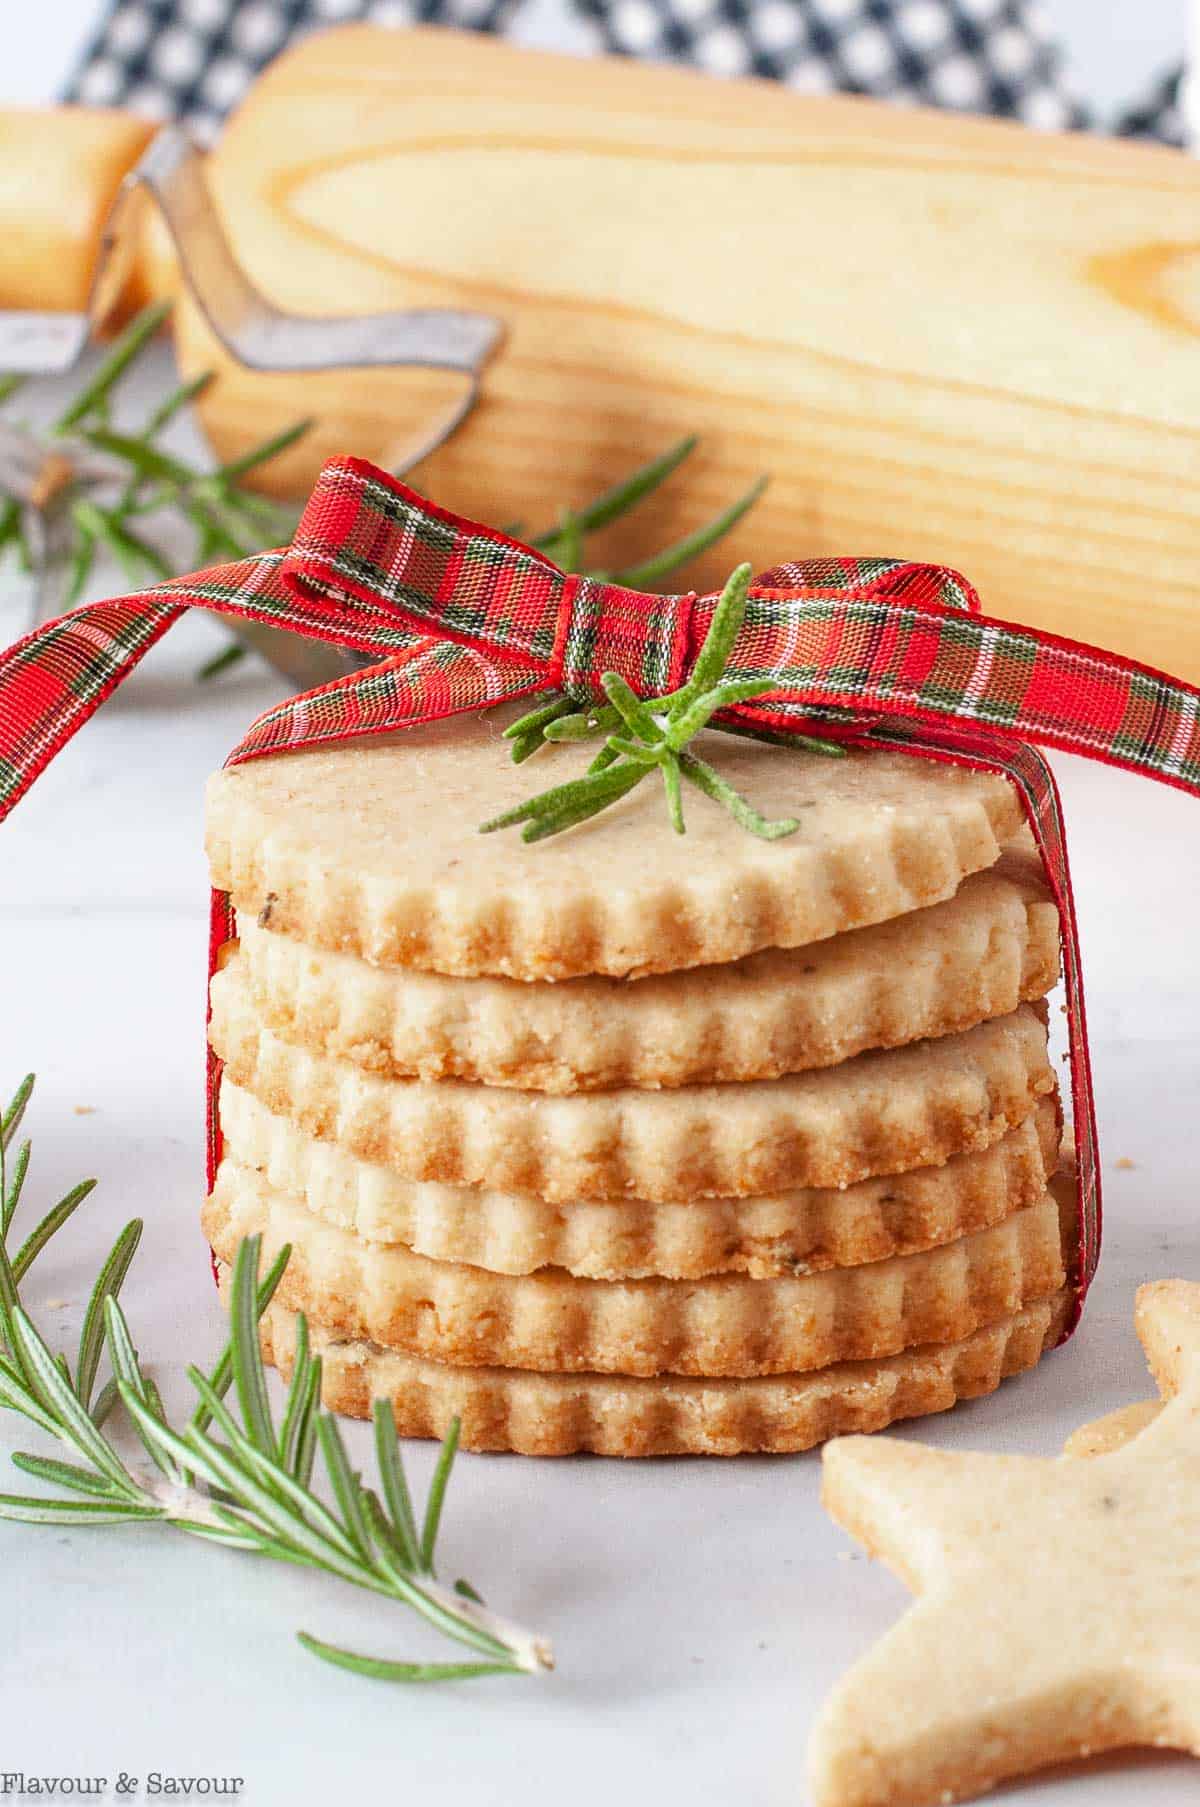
(252, 329)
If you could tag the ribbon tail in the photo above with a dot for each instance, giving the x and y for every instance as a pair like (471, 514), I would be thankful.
(374, 568)
(1035, 784)
(55, 679)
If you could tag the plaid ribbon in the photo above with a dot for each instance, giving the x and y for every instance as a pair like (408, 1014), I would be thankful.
(459, 617)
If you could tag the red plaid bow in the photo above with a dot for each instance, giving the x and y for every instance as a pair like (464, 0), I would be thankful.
(459, 617)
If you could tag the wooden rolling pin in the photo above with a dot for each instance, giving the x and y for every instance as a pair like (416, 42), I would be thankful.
(59, 174)
(945, 338)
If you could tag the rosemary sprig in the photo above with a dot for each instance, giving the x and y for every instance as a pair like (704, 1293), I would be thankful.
(642, 736)
(231, 1474)
(82, 486)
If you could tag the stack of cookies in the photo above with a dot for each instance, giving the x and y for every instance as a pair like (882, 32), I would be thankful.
(629, 1142)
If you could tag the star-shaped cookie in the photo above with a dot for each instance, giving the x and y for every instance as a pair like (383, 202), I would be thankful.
(1059, 1600)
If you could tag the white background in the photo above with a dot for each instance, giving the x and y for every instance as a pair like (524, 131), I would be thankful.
(701, 1611)
(1119, 46)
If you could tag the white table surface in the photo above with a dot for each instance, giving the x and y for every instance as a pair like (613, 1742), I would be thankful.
(701, 1610)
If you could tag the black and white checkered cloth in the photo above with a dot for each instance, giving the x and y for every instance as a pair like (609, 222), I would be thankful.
(1161, 114)
(193, 59)
(983, 56)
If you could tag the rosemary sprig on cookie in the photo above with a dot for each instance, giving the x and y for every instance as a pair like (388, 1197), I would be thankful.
(643, 735)
(231, 1474)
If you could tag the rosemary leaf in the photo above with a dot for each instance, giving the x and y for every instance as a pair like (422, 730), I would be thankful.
(394, 1481)
(33, 1511)
(723, 631)
(108, 1285)
(584, 724)
(652, 570)
(146, 461)
(581, 808)
(526, 745)
(537, 718)
(249, 1376)
(190, 1456)
(175, 403)
(566, 545)
(306, 1435)
(11, 1196)
(437, 1494)
(127, 1371)
(722, 696)
(106, 1399)
(296, 1394)
(674, 790)
(632, 711)
(221, 1377)
(626, 494)
(80, 569)
(37, 1239)
(232, 1539)
(527, 734)
(10, 523)
(56, 1397)
(221, 662)
(134, 554)
(702, 775)
(226, 474)
(638, 751)
(10, 1122)
(379, 1669)
(127, 347)
(16, 1397)
(62, 1474)
(604, 788)
(344, 1482)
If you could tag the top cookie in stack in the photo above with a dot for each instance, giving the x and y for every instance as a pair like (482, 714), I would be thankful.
(632, 1142)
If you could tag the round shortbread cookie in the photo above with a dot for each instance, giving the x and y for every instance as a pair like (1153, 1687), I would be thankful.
(931, 972)
(373, 849)
(879, 1113)
(609, 1415)
(728, 1326)
(632, 1239)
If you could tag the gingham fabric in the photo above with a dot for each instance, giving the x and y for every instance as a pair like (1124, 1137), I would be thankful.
(459, 617)
(193, 59)
(979, 56)
(1160, 114)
